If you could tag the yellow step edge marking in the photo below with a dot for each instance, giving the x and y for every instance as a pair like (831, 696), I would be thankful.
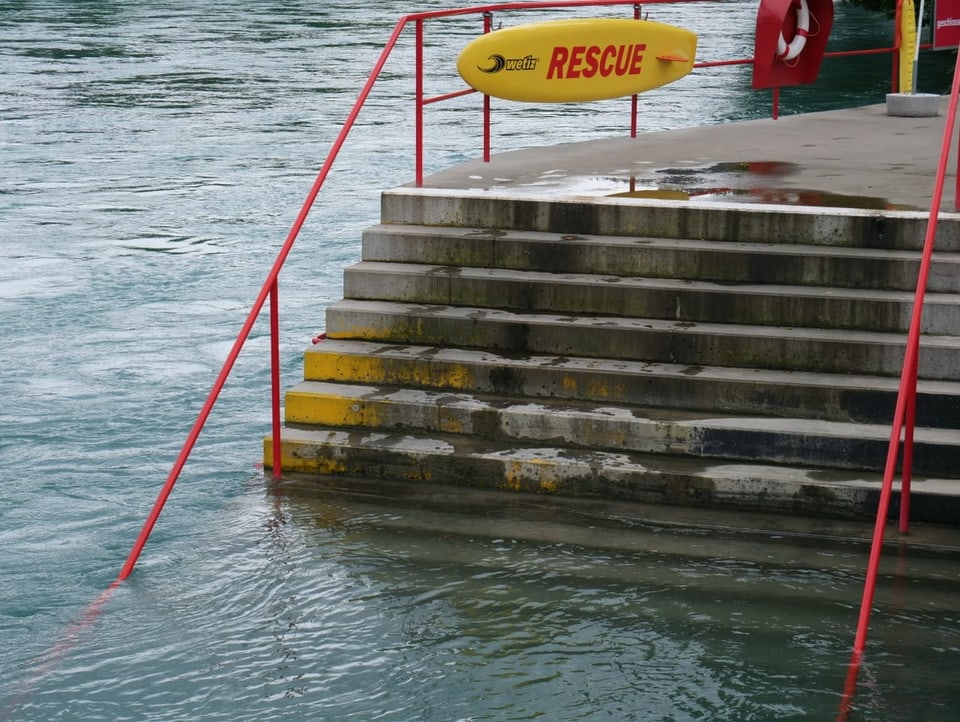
(398, 372)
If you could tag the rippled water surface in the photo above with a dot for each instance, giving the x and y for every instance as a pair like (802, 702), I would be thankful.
(153, 158)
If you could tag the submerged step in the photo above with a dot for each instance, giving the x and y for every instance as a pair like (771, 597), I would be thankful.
(676, 300)
(837, 397)
(548, 469)
(643, 339)
(623, 428)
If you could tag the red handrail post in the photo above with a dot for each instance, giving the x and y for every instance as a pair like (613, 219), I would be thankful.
(487, 27)
(419, 102)
(275, 375)
(634, 98)
(897, 44)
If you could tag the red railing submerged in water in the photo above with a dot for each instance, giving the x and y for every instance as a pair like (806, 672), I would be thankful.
(270, 288)
(906, 404)
(905, 412)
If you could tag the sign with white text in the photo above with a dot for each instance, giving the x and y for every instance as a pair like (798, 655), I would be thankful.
(946, 24)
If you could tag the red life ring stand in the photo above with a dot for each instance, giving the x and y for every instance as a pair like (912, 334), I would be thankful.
(790, 51)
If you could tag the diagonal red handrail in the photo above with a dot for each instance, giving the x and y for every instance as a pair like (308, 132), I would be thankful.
(269, 288)
(905, 411)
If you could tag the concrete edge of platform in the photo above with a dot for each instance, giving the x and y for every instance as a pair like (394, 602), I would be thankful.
(525, 193)
(578, 215)
(859, 157)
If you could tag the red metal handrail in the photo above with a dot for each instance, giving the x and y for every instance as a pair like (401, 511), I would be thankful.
(269, 288)
(271, 284)
(904, 417)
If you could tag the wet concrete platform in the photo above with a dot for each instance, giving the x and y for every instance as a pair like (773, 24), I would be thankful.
(857, 158)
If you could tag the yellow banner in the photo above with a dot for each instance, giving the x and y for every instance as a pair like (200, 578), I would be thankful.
(908, 45)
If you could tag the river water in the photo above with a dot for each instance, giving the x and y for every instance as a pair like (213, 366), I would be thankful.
(153, 157)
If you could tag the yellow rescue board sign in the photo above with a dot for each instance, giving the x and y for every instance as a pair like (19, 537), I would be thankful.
(577, 60)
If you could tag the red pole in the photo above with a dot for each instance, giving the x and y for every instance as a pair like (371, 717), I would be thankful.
(275, 375)
(907, 383)
(487, 27)
(265, 290)
(910, 366)
(633, 98)
(419, 103)
(897, 43)
(202, 418)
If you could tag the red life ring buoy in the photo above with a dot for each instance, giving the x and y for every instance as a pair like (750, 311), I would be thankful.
(790, 51)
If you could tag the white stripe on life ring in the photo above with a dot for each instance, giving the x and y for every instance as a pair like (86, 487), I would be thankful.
(789, 52)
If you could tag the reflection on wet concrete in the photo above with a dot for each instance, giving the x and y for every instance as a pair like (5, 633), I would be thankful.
(742, 182)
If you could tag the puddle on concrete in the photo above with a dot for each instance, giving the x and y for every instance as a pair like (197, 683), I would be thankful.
(781, 197)
(742, 182)
(734, 171)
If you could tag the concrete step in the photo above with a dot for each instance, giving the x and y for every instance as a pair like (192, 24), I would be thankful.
(744, 223)
(618, 427)
(463, 461)
(661, 298)
(729, 390)
(642, 339)
(705, 260)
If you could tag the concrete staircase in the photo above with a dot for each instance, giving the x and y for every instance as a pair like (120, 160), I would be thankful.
(741, 355)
